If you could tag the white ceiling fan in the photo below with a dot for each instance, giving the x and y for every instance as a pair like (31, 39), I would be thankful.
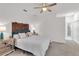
(45, 7)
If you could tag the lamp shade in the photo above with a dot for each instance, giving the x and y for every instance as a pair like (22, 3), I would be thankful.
(2, 28)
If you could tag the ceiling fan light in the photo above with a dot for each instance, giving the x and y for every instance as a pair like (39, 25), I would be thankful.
(44, 9)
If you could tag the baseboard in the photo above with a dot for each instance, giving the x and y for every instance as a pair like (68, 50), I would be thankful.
(58, 41)
(76, 41)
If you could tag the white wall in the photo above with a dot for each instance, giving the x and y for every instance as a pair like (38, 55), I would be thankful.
(52, 27)
(8, 31)
(76, 32)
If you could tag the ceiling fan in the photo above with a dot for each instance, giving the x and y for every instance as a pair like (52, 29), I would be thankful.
(45, 7)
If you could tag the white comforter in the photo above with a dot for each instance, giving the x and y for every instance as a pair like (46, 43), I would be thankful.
(34, 44)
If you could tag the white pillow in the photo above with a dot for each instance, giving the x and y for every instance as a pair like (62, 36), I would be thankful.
(22, 35)
(29, 33)
(16, 36)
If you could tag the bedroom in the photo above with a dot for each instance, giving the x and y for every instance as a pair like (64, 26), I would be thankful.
(50, 25)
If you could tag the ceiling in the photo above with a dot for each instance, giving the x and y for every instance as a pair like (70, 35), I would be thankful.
(9, 11)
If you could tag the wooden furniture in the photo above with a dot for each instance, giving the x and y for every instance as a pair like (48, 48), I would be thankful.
(19, 26)
(4, 49)
(6, 46)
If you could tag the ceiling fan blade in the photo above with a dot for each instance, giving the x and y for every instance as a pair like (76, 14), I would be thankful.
(49, 10)
(52, 4)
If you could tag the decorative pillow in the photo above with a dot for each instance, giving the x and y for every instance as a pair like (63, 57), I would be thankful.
(16, 36)
(29, 33)
(22, 35)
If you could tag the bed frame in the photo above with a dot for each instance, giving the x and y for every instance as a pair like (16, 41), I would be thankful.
(19, 28)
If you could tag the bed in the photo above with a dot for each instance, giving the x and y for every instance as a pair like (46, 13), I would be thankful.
(35, 44)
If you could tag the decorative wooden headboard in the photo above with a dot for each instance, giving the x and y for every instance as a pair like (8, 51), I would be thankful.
(19, 28)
